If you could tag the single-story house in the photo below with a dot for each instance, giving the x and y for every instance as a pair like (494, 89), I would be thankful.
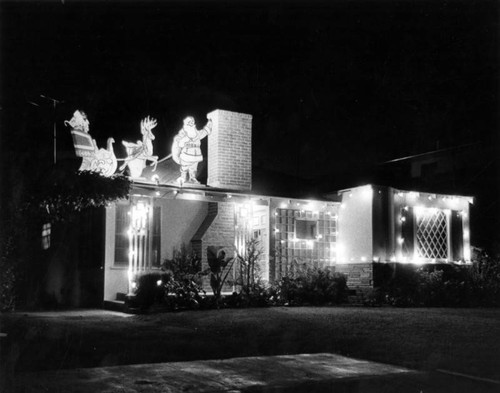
(348, 230)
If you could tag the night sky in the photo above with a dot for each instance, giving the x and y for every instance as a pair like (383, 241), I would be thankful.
(331, 85)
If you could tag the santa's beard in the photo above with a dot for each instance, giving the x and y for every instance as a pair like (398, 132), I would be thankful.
(190, 131)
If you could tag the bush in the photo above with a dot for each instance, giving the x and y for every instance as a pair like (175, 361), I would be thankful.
(439, 285)
(147, 291)
(183, 294)
(163, 289)
(483, 280)
(256, 296)
(311, 286)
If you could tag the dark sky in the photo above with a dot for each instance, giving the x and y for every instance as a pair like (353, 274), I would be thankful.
(331, 85)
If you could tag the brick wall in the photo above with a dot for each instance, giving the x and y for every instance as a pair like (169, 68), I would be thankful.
(230, 150)
(359, 275)
(219, 232)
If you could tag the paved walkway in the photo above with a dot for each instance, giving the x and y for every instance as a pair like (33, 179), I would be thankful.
(309, 373)
(272, 373)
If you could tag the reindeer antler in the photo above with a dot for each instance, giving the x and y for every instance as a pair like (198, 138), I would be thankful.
(147, 124)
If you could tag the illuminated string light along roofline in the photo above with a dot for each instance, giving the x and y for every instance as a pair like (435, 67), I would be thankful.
(432, 195)
(150, 190)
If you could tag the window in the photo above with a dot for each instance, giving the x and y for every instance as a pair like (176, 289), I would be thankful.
(306, 229)
(317, 246)
(156, 237)
(431, 233)
(46, 230)
(121, 235)
(150, 239)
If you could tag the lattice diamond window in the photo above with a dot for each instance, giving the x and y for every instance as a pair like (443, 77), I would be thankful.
(431, 234)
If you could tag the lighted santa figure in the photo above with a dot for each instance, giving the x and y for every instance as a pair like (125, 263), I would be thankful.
(186, 149)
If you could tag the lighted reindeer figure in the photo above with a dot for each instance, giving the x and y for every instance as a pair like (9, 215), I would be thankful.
(142, 151)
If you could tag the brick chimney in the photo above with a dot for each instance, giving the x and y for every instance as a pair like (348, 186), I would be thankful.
(230, 150)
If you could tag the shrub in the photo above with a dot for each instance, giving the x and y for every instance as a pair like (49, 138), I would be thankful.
(219, 268)
(483, 280)
(183, 294)
(257, 296)
(147, 291)
(311, 286)
(163, 289)
(439, 285)
(184, 262)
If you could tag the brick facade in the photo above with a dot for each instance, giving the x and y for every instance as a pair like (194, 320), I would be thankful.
(217, 230)
(230, 151)
(359, 275)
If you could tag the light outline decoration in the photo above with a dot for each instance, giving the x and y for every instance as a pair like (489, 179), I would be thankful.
(138, 240)
(450, 204)
(102, 161)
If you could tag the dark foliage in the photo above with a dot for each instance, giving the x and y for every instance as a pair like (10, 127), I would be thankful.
(7, 274)
(311, 286)
(57, 196)
(184, 262)
(147, 291)
(218, 267)
(257, 296)
(438, 285)
(62, 194)
(176, 287)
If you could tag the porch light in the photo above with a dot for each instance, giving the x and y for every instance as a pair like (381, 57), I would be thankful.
(159, 282)
(363, 259)
(401, 240)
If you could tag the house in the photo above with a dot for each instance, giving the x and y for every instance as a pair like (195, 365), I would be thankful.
(349, 230)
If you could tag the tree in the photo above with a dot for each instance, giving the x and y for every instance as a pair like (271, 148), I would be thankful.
(57, 198)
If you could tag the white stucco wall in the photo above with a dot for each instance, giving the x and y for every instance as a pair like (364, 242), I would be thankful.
(355, 240)
(180, 219)
(115, 278)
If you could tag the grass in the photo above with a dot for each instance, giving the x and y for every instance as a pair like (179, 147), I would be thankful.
(460, 340)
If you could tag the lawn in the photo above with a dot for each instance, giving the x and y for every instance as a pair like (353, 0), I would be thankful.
(460, 340)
